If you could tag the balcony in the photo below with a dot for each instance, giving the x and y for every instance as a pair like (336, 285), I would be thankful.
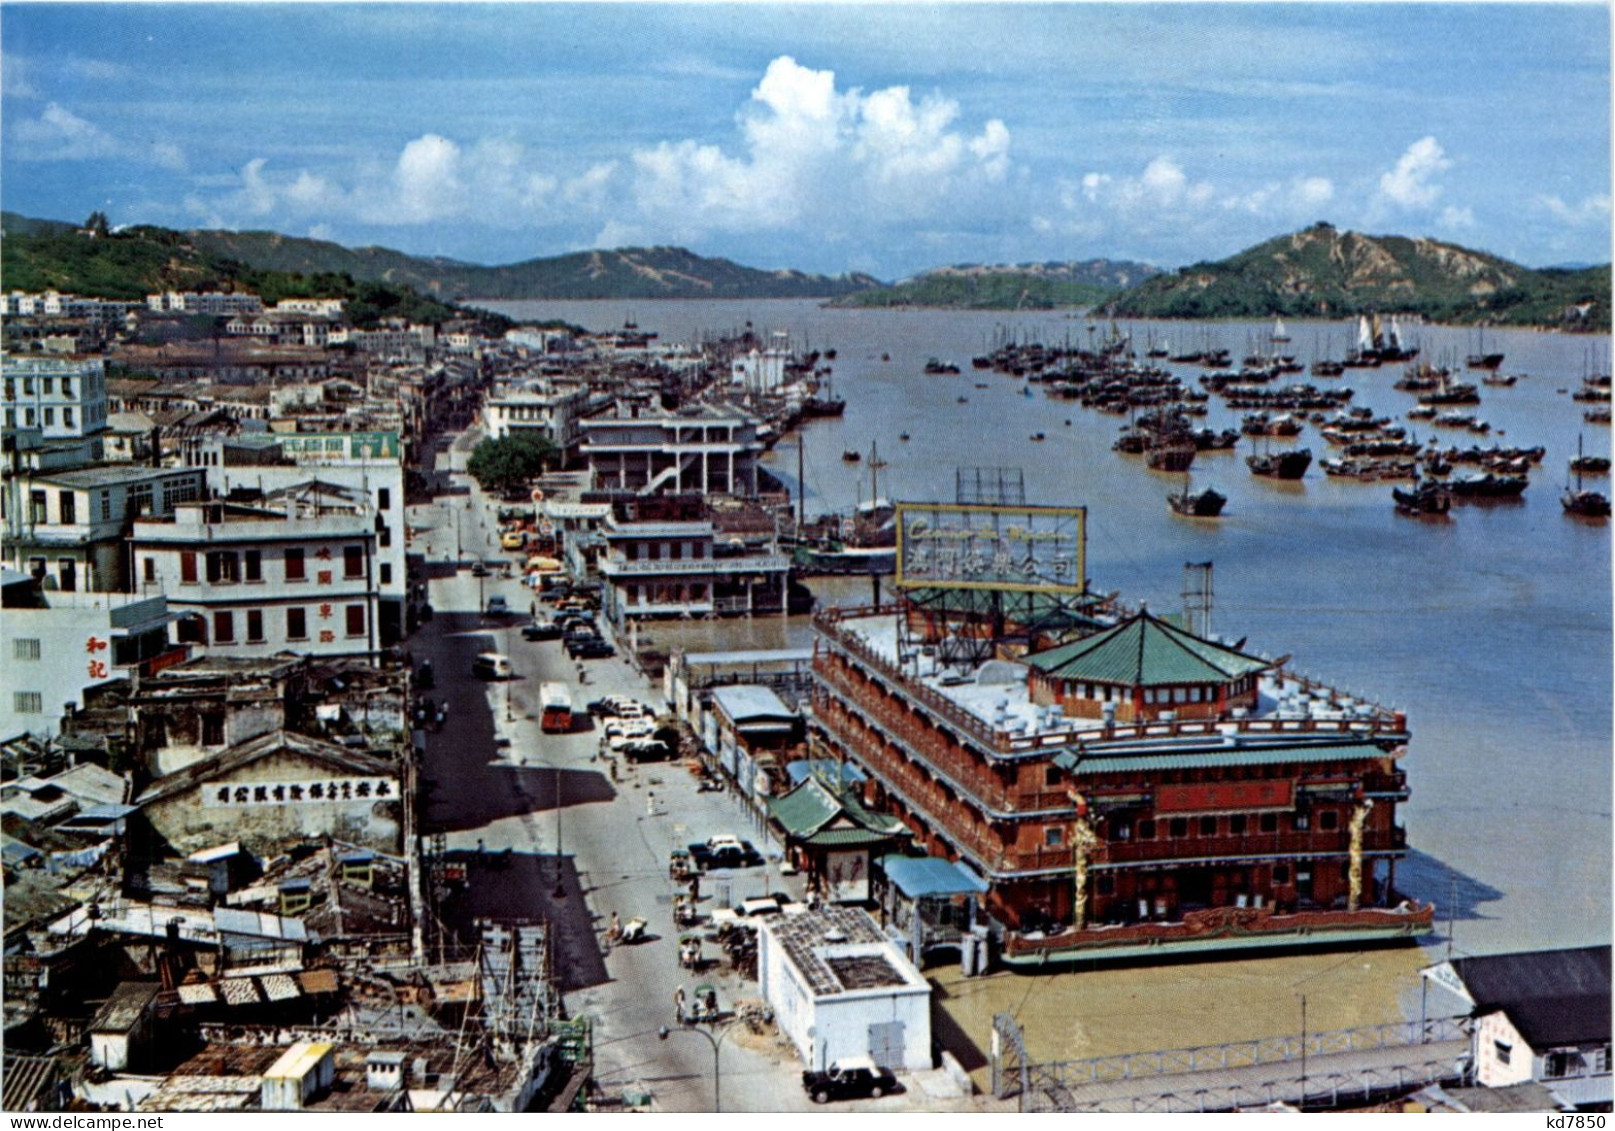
(704, 567)
(1335, 842)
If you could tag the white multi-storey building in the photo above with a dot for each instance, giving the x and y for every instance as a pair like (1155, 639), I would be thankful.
(369, 464)
(210, 302)
(539, 407)
(294, 571)
(63, 397)
(699, 449)
(55, 645)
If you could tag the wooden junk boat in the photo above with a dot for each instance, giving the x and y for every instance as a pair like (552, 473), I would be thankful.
(1281, 465)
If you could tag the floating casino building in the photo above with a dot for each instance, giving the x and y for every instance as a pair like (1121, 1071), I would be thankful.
(1127, 788)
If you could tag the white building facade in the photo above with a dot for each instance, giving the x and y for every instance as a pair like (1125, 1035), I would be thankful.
(65, 397)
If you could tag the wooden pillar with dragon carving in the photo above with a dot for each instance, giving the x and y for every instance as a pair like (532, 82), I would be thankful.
(1083, 840)
(1354, 872)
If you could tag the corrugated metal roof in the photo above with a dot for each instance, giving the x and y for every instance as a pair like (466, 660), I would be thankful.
(824, 768)
(1145, 651)
(746, 702)
(197, 995)
(318, 981)
(258, 924)
(1088, 764)
(279, 987)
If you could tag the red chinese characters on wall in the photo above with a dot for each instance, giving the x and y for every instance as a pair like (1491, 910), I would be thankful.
(97, 668)
(1215, 796)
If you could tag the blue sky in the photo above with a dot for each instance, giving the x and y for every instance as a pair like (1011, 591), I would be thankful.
(830, 138)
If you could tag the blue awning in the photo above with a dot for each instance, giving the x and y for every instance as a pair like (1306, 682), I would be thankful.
(920, 876)
(825, 768)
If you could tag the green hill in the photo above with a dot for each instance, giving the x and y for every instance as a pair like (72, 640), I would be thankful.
(129, 264)
(1023, 286)
(641, 272)
(1324, 271)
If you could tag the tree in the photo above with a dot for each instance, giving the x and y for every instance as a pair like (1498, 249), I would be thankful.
(504, 465)
(97, 224)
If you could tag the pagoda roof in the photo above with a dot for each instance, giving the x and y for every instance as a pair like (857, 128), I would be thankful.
(1145, 651)
(814, 814)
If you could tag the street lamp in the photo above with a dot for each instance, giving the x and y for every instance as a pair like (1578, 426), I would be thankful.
(717, 1064)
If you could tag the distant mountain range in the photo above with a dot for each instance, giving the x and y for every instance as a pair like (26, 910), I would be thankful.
(633, 272)
(1319, 271)
(1021, 286)
(1322, 271)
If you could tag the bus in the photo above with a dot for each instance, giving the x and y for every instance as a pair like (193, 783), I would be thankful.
(557, 700)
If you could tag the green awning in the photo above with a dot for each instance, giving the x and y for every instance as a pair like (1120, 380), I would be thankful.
(1086, 765)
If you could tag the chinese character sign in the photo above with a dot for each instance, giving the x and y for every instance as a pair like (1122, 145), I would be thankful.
(966, 546)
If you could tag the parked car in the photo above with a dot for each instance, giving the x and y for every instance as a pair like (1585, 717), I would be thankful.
(479, 569)
(851, 1079)
(491, 665)
(540, 630)
(498, 607)
(724, 852)
(592, 648)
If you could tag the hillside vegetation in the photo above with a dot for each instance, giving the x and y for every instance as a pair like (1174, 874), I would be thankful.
(626, 273)
(1326, 272)
(134, 262)
(1025, 286)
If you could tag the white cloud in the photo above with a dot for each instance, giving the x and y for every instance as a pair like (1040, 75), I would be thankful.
(1298, 198)
(1161, 193)
(1454, 217)
(58, 134)
(1593, 209)
(811, 151)
(1410, 183)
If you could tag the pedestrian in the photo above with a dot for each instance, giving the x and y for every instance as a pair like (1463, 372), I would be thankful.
(678, 1004)
(614, 932)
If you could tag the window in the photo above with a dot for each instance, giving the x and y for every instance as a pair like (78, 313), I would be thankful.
(1302, 821)
(67, 417)
(1269, 823)
(1563, 1062)
(1178, 828)
(384, 498)
(192, 630)
(676, 551)
(1281, 874)
(1053, 836)
(213, 729)
(224, 627)
(1146, 830)
(1504, 1051)
(1104, 883)
(296, 624)
(187, 567)
(47, 385)
(106, 506)
(223, 566)
(67, 503)
(255, 626)
(1051, 776)
(50, 417)
(66, 574)
(254, 565)
(1328, 819)
(294, 565)
(1236, 825)
(28, 703)
(352, 561)
(1208, 826)
(37, 508)
(386, 573)
(355, 620)
(385, 537)
(24, 648)
(1121, 829)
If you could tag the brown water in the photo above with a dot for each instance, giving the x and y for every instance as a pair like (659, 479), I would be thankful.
(1492, 629)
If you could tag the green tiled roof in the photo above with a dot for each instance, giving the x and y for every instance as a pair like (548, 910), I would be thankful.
(1089, 764)
(1145, 651)
(807, 812)
(848, 838)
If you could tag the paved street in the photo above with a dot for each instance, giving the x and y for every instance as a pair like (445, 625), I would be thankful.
(491, 779)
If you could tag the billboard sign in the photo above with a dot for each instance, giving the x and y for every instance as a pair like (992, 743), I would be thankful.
(970, 546)
(313, 447)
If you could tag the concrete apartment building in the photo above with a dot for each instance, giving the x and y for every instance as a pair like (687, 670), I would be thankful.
(539, 407)
(62, 396)
(55, 645)
(294, 569)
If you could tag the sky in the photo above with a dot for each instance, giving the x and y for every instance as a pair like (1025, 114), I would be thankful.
(885, 139)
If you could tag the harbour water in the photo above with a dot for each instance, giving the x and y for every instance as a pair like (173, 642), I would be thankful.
(1491, 628)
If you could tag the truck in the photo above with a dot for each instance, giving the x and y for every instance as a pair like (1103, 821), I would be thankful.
(557, 708)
